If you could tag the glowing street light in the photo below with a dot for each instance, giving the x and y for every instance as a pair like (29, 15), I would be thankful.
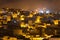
(41, 11)
(48, 11)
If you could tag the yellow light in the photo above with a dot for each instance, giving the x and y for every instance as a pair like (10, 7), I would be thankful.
(38, 19)
(18, 13)
(5, 38)
(55, 22)
(8, 18)
(22, 17)
(22, 24)
(48, 24)
(37, 35)
(30, 26)
(27, 36)
(47, 36)
(35, 12)
(30, 15)
(14, 15)
(44, 26)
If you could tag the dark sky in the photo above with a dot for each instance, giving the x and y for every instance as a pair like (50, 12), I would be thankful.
(31, 4)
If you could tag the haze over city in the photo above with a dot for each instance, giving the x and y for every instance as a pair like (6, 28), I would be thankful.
(31, 4)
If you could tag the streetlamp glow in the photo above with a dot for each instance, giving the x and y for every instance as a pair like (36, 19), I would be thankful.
(41, 11)
(48, 11)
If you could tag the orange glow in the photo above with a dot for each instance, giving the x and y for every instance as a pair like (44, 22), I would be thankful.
(55, 22)
(30, 15)
(23, 24)
(38, 19)
(8, 18)
(14, 15)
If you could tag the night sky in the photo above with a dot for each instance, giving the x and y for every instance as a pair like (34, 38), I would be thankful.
(31, 4)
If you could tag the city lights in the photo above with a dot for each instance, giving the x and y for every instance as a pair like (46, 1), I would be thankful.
(47, 11)
(31, 25)
(29, 19)
(41, 11)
